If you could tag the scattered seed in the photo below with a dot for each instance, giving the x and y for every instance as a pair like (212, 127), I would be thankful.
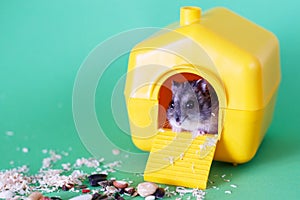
(120, 198)
(146, 188)
(106, 183)
(223, 176)
(234, 186)
(129, 190)
(159, 193)
(111, 189)
(80, 187)
(35, 196)
(94, 179)
(227, 180)
(67, 187)
(82, 197)
(150, 197)
(96, 196)
(120, 184)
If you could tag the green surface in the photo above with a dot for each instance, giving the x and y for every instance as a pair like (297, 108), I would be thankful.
(44, 43)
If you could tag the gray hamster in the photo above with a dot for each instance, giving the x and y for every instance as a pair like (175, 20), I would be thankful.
(194, 107)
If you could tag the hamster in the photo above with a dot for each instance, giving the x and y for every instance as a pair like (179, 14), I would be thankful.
(194, 107)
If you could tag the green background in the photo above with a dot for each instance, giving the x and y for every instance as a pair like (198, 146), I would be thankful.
(44, 43)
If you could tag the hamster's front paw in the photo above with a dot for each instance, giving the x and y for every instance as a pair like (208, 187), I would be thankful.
(176, 129)
(198, 132)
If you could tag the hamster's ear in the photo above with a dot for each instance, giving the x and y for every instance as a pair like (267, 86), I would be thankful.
(201, 85)
(175, 86)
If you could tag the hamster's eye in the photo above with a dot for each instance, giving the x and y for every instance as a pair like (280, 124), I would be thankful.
(189, 104)
(172, 105)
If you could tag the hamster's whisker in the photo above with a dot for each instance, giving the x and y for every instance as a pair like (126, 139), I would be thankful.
(184, 119)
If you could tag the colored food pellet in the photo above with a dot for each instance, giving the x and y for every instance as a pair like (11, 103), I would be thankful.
(85, 190)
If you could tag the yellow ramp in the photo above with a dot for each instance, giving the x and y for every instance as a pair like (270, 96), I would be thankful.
(179, 159)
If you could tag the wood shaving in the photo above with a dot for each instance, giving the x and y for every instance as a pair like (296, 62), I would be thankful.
(51, 180)
(66, 166)
(91, 162)
(116, 152)
(228, 192)
(181, 156)
(25, 150)
(15, 180)
(44, 151)
(19, 182)
(54, 157)
(197, 193)
(9, 133)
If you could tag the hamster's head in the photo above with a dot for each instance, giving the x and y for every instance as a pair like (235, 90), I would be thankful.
(190, 104)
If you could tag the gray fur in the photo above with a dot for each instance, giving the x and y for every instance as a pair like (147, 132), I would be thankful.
(194, 108)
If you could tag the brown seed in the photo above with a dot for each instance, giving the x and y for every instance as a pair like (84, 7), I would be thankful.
(120, 184)
(35, 196)
(134, 194)
(146, 188)
(129, 190)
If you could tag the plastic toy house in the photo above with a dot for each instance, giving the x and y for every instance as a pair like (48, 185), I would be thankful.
(238, 58)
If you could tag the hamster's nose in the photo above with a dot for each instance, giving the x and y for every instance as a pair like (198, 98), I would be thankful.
(177, 119)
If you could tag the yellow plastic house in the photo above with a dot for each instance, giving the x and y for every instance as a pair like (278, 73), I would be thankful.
(238, 58)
